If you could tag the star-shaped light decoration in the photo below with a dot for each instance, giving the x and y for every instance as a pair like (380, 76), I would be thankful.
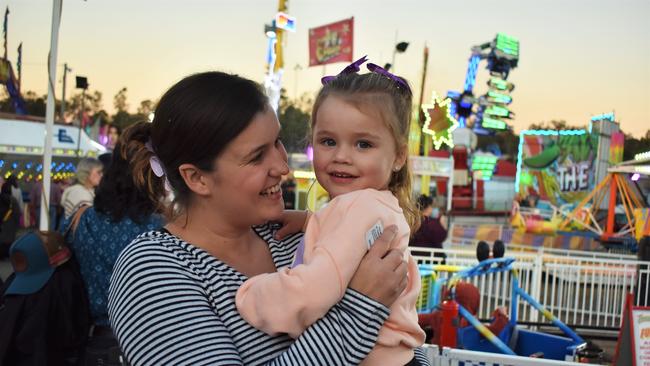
(439, 123)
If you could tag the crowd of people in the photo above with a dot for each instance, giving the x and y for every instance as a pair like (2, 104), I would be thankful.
(177, 242)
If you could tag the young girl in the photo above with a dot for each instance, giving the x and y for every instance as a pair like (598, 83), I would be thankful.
(360, 126)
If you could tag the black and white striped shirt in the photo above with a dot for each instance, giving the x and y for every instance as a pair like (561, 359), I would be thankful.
(171, 303)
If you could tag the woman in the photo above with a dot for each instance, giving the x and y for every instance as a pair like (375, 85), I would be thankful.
(121, 212)
(214, 143)
(89, 174)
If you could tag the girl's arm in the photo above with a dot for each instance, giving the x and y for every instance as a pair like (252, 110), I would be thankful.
(289, 300)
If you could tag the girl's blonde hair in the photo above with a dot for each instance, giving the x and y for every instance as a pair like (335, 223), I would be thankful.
(372, 93)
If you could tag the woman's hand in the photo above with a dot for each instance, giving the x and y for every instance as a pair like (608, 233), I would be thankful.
(292, 221)
(381, 275)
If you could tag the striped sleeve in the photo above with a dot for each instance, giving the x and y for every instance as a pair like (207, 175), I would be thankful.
(162, 315)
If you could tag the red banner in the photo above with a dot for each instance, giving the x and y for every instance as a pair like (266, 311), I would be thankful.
(331, 43)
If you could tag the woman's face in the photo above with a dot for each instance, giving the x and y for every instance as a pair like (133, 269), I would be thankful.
(95, 176)
(245, 182)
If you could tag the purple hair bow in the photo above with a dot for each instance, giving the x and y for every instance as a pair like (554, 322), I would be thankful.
(156, 166)
(355, 67)
(350, 69)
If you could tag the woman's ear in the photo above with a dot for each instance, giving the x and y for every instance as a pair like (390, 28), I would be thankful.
(194, 179)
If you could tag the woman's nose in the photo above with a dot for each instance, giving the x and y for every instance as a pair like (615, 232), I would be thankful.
(280, 165)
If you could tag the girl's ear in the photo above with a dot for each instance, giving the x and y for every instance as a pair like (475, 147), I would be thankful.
(400, 158)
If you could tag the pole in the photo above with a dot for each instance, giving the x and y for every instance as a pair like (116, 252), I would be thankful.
(81, 121)
(392, 65)
(65, 77)
(424, 79)
(49, 114)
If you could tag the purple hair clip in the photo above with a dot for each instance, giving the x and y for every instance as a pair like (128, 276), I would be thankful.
(355, 67)
(381, 71)
(350, 69)
(156, 166)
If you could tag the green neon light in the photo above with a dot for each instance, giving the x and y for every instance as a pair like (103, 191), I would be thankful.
(493, 123)
(498, 83)
(508, 45)
(500, 98)
(497, 111)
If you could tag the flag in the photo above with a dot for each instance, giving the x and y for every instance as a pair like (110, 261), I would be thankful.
(331, 43)
(4, 29)
(19, 63)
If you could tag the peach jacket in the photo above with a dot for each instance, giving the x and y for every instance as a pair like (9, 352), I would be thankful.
(291, 299)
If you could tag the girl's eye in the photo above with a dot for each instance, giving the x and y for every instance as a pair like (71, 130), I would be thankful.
(328, 142)
(364, 144)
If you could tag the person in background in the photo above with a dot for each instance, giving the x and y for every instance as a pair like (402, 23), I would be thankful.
(431, 233)
(16, 192)
(56, 212)
(82, 193)
(121, 211)
(289, 193)
(113, 136)
(9, 218)
(214, 142)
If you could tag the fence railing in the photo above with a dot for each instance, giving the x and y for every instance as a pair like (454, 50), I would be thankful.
(581, 289)
(455, 357)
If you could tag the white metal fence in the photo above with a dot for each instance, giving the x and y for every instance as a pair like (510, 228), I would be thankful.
(580, 288)
(457, 357)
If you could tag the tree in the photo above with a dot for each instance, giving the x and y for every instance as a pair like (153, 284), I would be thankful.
(119, 101)
(633, 146)
(554, 125)
(294, 118)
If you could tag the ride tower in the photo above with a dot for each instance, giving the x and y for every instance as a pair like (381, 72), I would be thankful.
(490, 110)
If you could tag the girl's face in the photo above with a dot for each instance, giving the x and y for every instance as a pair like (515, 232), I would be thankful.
(352, 150)
(245, 182)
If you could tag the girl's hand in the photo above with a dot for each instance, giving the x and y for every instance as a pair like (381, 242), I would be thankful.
(292, 221)
(381, 275)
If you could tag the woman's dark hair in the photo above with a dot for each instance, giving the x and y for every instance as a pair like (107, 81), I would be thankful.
(193, 123)
(117, 196)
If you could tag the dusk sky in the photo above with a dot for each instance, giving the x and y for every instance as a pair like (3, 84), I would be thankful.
(578, 57)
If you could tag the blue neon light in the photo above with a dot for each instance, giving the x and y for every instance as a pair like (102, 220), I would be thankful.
(538, 133)
(605, 116)
(472, 69)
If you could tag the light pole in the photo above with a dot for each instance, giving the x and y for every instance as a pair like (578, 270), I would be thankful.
(65, 76)
(295, 80)
(82, 83)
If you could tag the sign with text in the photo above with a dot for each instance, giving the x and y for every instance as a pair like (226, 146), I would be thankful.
(331, 43)
(633, 347)
(557, 165)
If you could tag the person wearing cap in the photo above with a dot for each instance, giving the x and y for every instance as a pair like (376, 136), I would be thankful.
(44, 316)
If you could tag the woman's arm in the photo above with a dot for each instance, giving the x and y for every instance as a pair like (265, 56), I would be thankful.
(161, 315)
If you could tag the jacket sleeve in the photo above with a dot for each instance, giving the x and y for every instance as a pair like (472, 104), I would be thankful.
(290, 300)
